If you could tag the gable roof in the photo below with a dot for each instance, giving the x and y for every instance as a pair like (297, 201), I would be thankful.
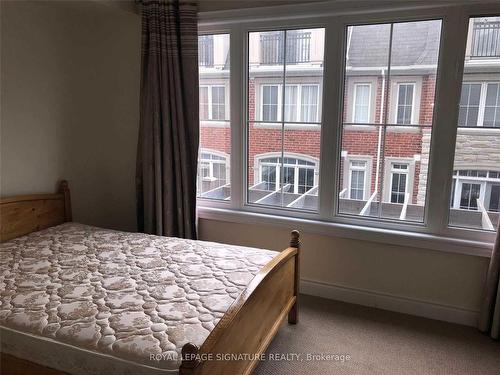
(414, 43)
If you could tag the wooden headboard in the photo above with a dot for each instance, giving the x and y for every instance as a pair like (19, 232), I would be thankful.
(28, 213)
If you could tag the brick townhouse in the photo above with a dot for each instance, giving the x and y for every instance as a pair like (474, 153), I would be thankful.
(389, 87)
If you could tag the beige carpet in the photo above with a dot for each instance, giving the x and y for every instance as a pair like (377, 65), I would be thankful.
(379, 342)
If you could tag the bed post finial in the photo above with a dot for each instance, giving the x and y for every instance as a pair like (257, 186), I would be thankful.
(64, 189)
(294, 240)
(189, 359)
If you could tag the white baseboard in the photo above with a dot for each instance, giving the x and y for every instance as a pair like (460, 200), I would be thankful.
(390, 302)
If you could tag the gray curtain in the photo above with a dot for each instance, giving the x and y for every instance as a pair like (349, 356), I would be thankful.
(168, 136)
(489, 319)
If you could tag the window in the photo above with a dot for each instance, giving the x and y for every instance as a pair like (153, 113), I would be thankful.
(206, 50)
(492, 105)
(399, 182)
(298, 47)
(298, 174)
(474, 198)
(362, 97)
(383, 157)
(480, 104)
(215, 133)
(309, 103)
(469, 104)
(213, 103)
(383, 56)
(471, 185)
(405, 103)
(304, 111)
(283, 158)
(485, 37)
(270, 103)
(357, 179)
(213, 174)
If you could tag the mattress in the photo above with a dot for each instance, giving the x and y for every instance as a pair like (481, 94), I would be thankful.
(87, 300)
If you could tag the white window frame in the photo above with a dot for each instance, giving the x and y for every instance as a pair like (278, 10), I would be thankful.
(482, 99)
(484, 182)
(400, 171)
(356, 85)
(434, 233)
(219, 122)
(412, 116)
(299, 85)
(212, 161)
(348, 158)
(258, 164)
(396, 82)
(353, 168)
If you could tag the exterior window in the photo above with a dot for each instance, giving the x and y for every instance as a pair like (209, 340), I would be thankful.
(357, 179)
(469, 104)
(204, 103)
(475, 186)
(213, 103)
(298, 174)
(206, 50)
(480, 104)
(492, 105)
(301, 103)
(381, 63)
(362, 94)
(298, 47)
(291, 107)
(469, 196)
(399, 179)
(213, 171)
(213, 180)
(405, 103)
(486, 37)
(270, 103)
(218, 103)
(309, 103)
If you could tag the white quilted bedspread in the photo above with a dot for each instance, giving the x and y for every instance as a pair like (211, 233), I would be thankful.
(127, 295)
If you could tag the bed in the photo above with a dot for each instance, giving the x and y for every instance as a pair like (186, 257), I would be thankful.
(85, 300)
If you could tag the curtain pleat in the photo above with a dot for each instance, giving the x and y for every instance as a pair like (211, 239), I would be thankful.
(489, 318)
(167, 150)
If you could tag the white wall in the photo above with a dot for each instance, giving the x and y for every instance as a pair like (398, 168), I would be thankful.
(69, 98)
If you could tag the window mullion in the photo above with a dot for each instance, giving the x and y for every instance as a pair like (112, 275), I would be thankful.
(237, 116)
(332, 114)
(448, 86)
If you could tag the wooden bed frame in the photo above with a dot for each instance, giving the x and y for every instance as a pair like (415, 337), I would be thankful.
(234, 345)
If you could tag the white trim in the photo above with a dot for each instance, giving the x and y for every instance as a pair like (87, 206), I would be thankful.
(259, 112)
(354, 101)
(391, 302)
(449, 244)
(334, 18)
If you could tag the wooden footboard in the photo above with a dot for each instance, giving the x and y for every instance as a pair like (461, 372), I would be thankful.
(245, 331)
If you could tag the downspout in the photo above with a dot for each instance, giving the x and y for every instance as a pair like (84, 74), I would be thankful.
(381, 120)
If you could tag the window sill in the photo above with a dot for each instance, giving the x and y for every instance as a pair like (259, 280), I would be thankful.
(358, 232)
(294, 125)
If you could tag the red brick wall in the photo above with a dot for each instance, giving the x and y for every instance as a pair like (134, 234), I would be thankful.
(264, 140)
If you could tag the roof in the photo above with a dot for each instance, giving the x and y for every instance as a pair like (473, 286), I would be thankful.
(414, 43)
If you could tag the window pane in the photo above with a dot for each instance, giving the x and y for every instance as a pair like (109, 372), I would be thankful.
(396, 171)
(215, 134)
(362, 103)
(284, 93)
(492, 105)
(474, 198)
(291, 103)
